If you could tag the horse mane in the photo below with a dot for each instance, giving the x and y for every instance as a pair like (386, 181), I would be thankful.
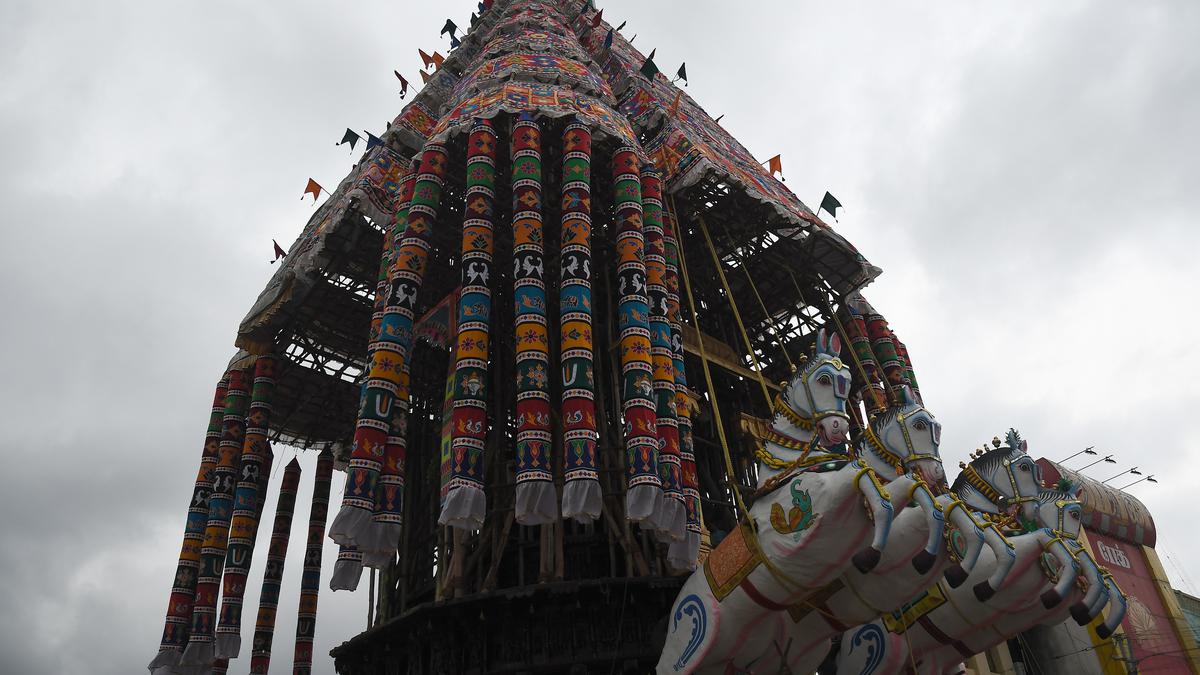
(987, 463)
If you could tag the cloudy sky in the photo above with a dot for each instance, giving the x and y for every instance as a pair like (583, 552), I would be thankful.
(1025, 175)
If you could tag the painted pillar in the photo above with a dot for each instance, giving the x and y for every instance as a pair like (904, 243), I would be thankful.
(310, 583)
(268, 599)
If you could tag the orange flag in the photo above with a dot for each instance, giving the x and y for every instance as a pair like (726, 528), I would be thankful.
(775, 165)
(427, 59)
(438, 59)
(675, 105)
(424, 76)
(314, 189)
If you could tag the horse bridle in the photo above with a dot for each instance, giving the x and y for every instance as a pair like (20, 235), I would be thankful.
(892, 458)
(977, 481)
(802, 422)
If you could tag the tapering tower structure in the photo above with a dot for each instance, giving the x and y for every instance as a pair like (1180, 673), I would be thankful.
(522, 324)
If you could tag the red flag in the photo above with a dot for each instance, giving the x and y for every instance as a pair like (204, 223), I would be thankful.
(775, 165)
(427, 59)
(598, 18)
(279, 252)
(403, 83)
(438, 59)
(314, 189)
(424, 76)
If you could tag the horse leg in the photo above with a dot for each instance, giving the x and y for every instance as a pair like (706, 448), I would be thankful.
(973, 539)
(1117, 605)
(1004, 553)
(1082, 611)
(879, 504)
(914, 489)
(1067, 573)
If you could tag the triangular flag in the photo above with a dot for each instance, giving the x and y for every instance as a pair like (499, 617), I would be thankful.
(608, 40)
(597, 19)
(775, 165)
(449, 28)
(621, 26)
(279, 252)
(455, 43)
(675, 105)
(474, 18)
(349, 137)
(487, 4)
(682, 74)
(718, 120)
(648, 69)
(314, 189)
(438, 59)
(830, 204)
(481, 8)
(403, 83)
(427, 59)
(652, 53)
(372, 140)
(424, 76)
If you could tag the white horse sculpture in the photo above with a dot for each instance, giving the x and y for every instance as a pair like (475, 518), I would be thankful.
(1058, 511)
(930, 634)
(818, 512)
(901, 445)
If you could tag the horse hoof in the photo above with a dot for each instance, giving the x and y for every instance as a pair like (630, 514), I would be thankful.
(1080, 613)
(1103, 632)
(955, 576)
(1050, 599)
(984, 591)
(923, 562)
(866, 560)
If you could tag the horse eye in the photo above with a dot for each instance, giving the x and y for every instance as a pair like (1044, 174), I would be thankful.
(825, 379)
(1025, 468)
(920, 425)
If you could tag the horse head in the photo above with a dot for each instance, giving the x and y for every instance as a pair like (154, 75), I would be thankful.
(1001, 479)
(1059, 510)
(816, 394)
(907, 437)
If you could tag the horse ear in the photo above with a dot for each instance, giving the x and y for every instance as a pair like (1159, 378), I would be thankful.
(906, 396)
(1025, 446)
(835, 344)
(822, 341)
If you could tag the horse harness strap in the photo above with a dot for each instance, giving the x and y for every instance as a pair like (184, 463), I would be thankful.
(976, 481)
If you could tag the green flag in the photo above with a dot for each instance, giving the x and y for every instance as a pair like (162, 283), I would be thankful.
(648, 69)
(830, 204)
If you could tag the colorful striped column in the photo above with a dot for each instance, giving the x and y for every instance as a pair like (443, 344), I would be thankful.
(268, 599)
(387, 519)
(644, 496)
(870, 392)
(681, 554)
(200, 649)
(670, 521)
(354, 520)
(347, 569)
(464, 503)
(884, 347)
(536, 501)
(310, 582)
(183, 588)
(582, 497)
(910, 377)
(256, 453)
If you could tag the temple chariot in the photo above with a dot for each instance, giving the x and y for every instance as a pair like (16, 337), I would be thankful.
(576, 349)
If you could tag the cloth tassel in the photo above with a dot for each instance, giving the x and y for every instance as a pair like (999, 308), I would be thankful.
(256, 458)
(582, 496)
(669, 523)
(199, 650)
(681, 555)
(310, 582)
(464, 503)
(354, 519)
(347, 570)
(183, 588)
(387, 519)
(644, 496)
(268, 598)
(536, 500)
